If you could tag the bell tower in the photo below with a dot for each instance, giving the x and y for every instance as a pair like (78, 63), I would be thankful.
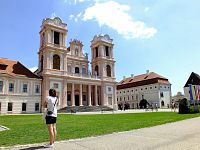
(103, 65)
(52, 51)
(102, 57)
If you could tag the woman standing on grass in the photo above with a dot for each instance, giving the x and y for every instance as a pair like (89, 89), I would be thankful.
(51, 116)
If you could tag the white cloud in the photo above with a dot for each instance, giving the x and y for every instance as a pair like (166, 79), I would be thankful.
(79, 15)
(33, 69)
(75, 17)
(71, 17)
(116, 16)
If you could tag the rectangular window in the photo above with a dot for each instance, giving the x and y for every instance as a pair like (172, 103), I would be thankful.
(84, 98)
(55, 85)
(25, 88)
(23, 106)
(110, 100)
(10, 106)
(96, 51)
(37, 107)
(109, 89)
(11, 87)
(1, 86)
(37, 88)
(56, 37)
(107, 51)
(69, 97)
(161, 94)
(136, 97)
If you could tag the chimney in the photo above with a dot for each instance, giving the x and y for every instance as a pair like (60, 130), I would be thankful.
(132, 75)
(147, 71)
(124, 77)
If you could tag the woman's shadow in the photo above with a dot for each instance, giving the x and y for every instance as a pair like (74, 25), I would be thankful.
(33, 148)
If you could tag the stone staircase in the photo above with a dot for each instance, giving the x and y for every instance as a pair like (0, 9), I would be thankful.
(74, 109)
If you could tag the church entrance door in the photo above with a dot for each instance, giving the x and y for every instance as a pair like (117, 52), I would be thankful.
(76, 100)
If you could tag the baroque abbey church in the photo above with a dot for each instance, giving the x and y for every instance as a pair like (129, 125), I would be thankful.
(64, 69)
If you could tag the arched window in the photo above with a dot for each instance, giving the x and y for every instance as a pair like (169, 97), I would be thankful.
(162, 103)
(108, 70)
(76, 69)
(56, 62)
(96, 69)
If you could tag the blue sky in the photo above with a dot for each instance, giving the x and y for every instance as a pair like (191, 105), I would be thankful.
(157, 35)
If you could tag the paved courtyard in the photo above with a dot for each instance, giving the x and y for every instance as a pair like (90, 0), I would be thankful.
(182, 135)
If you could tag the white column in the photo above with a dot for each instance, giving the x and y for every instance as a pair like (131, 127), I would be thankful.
(96, 96)
(81, 96)
(51, 60)
(89, 95)
(60, 39)
(72, 96)
(61, 62)
(52, 36)
(64, 99)
(115, 106)
(102, 50)
(113, 70)
(48, 60)
(111, 52)
(64, 38)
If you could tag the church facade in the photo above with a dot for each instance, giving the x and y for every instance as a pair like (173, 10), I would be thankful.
(66, 69)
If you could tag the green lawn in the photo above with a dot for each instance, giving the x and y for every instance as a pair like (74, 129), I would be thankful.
(26, 129)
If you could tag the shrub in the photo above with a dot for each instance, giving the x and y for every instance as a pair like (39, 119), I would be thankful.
(183, 106)
(194, 109)
(143, 103)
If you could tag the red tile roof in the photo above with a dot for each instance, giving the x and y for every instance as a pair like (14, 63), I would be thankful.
(15, 68)
(143, 79)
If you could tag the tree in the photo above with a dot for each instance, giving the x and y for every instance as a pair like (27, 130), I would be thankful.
(143, 103)
(183, 106)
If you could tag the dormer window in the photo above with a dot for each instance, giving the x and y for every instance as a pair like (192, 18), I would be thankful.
(3, 66)
(56, 37)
